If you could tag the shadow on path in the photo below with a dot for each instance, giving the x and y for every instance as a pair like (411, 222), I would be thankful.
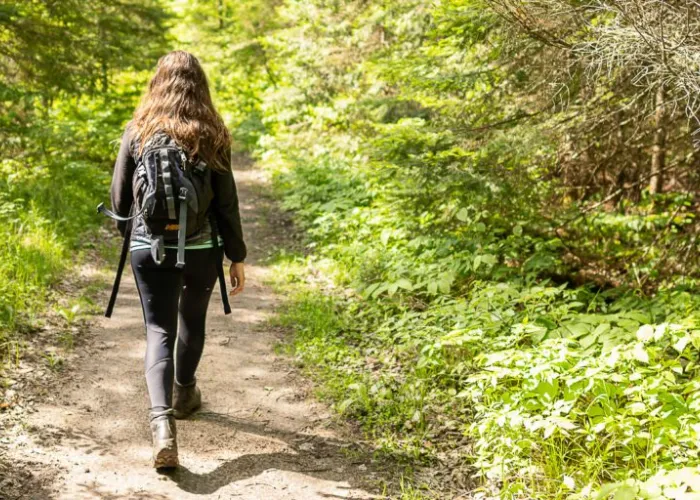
(310, 455)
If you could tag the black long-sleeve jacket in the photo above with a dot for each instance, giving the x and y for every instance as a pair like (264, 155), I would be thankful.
(224, 205)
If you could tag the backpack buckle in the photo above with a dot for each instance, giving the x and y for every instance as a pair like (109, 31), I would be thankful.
(183, 193)
(185, 160)
(200, 167)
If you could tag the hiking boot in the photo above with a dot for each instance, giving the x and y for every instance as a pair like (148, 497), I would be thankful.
(164, 440)
(187, 399)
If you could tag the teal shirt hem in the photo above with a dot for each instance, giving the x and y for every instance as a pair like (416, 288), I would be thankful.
(140, 245)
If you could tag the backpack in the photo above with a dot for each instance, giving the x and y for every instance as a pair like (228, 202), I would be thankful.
(172, 194)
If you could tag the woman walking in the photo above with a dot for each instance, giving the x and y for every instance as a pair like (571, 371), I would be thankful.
(176, 268)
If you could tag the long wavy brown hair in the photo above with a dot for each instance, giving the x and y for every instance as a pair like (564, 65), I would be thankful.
(178, 103)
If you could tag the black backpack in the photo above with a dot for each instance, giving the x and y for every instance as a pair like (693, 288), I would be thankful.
(172, 194)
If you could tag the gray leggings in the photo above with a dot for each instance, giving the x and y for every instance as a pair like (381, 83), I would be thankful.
(168, 294)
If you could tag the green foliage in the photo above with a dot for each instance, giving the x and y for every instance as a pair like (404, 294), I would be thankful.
(550, 382)
(58, 137)
(476, 309)
(229, 38)
(493, 285)
(74, 45)
(48, 192)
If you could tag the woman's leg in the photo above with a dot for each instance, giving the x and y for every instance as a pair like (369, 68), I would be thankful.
(199, 281)
(159, 288)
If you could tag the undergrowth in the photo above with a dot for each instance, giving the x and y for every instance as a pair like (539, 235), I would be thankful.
(456, 299)
(446, 352)
(53, 172)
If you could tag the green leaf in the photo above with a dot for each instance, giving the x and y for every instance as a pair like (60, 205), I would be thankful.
(444, 285)
(645, 333)
(344, 405)
(404, 283)
(386, 234)
(548, 389)
(606, 490)
(681, 344)
(588, 340)
(463, 215)
(369, 290)
(637, 408)
(489, 259)
(626, 492)
(640, 353)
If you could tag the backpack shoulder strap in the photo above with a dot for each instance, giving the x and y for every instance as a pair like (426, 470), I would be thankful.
(164, 159)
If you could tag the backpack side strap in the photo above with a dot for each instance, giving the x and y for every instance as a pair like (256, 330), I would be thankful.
(219, 264)
(120, 270)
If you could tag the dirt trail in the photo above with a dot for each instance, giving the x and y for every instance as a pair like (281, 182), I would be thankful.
(258, 436)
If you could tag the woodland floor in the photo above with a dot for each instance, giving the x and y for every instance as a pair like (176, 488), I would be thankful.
(82, 432)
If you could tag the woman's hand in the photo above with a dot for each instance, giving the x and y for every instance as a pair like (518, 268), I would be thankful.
(237, 278)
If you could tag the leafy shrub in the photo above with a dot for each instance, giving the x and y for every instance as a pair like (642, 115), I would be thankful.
(53, 172)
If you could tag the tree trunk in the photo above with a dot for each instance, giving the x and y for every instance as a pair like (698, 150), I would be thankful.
(222, 25)
(658, 155)
(104, 68)
(105, 76)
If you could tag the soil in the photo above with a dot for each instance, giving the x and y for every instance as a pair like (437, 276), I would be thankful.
(83, 433)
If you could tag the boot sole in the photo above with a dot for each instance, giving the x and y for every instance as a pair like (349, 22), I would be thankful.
(180, 415)
(166, 459)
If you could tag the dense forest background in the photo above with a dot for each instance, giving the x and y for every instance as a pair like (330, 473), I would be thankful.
(498, 202)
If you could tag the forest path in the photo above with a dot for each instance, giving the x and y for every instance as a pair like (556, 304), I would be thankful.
(256, 437)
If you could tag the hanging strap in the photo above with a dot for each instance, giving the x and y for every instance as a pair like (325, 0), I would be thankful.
(158, 249)
(120, 270)
(219, 265)
(182, 229)
(106, 211)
